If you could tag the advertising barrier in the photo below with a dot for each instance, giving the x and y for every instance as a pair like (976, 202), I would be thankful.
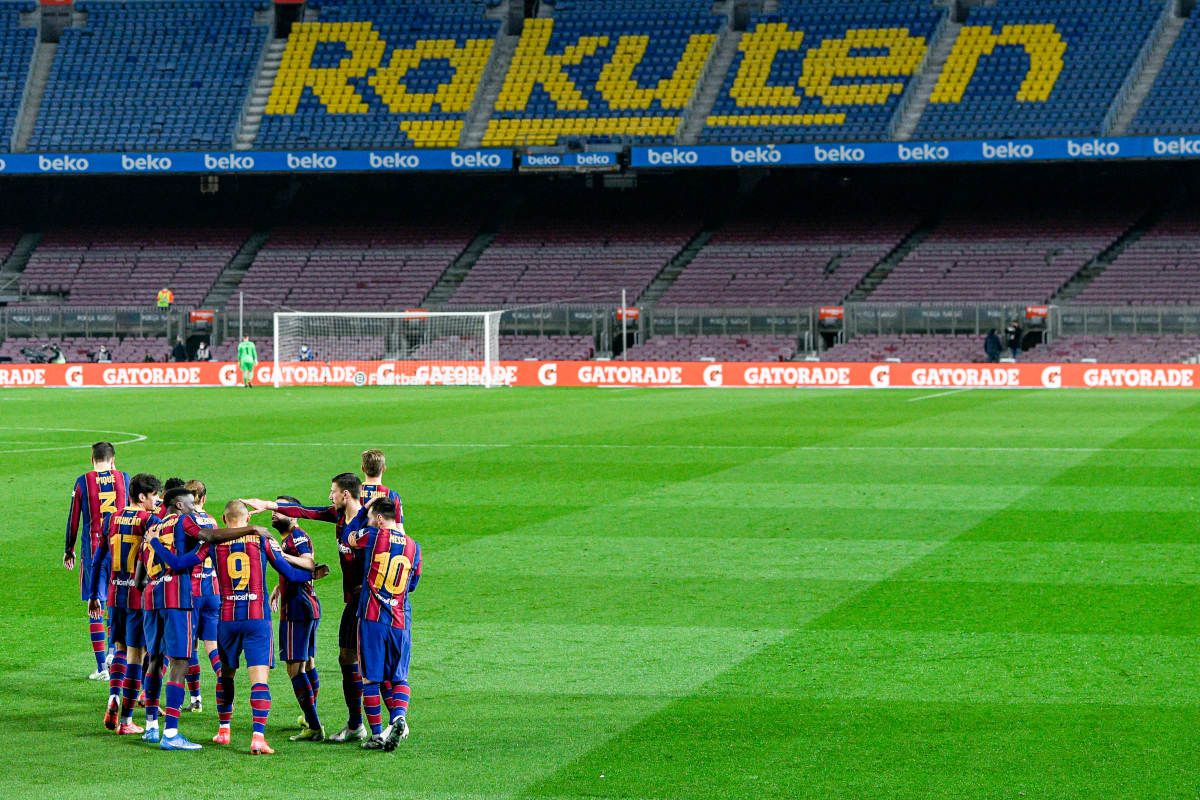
(963, 152)
(647, 374)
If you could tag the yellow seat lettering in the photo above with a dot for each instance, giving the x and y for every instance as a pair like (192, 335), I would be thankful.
(617, 86)
(1043, 44)
(331, 85)
(835, 59)
(760, 47)
(533, 66)
(467, 61)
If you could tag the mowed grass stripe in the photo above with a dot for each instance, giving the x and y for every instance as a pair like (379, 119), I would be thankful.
(774, 728)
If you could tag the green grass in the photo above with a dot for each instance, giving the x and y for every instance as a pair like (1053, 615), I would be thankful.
(674, 594)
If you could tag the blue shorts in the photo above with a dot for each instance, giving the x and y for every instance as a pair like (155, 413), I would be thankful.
(251, 637)
(85, 575)
(207, 612)
(383, 652)
(298, 639)
(126, 626)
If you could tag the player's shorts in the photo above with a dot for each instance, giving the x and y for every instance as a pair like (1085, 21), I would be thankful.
(178, 632)
(348, 627)
(298, 639)
(207, 612)
(153, 624)
(85, 574)
(247, 366)
(383, 652)
(126, 626)
(251, 637)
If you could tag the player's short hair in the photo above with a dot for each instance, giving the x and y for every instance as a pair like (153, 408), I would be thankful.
(236, 508)
(197, 488)
(103, 451)
(287, 498)
(373, 462)
(172, 483)
(348, 482)
(144, 483)
(384, 507)
(174, 493)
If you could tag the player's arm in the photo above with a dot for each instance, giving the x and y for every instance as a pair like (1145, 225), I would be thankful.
(177, 563)
(319, 513)
(358, 539)
(221, 535)
(73, 518)
(414, 577)
(281, 565)
(304, 557)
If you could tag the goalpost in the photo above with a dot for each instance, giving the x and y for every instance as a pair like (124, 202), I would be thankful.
(391, 347)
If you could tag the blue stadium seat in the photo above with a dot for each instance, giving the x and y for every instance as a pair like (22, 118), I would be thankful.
(1173, 105)
(150, 76)
(16, 53)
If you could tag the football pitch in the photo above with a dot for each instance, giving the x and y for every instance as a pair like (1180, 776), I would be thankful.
(670, 594)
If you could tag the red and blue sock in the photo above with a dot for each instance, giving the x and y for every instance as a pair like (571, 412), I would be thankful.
(304, 696)
(96, 631)
(371, 704)
(193, 675)
(214, 658)
(224, 700)
(397, 701)
(315, 681)
(116, 674)
(174, 706)
(352, 691)
(129, 690)
(260, 705)
(153, 687)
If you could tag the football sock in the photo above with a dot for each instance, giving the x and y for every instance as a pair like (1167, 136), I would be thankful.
(129, 690)
(371, 703)
(96, 630)
(224, 700)
(398, 701)
(352, 689)
(214, 658)
(260, 705)
(116, 674)
(303, 690)
(193, 675)
(174, 706)
(313, 679)
(153, 687)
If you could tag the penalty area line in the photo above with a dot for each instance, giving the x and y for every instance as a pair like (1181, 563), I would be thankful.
(134, 438)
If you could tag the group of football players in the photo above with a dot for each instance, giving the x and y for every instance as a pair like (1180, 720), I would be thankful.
(169, 576)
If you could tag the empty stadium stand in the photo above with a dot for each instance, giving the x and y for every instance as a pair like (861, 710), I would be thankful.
(1161, 268)
(600, 71)
(585, 260)
(1161, 349)
(351, 267)
(369, 74)
(980, 256)
(109, 265)
(1037, 68)
(77, 349)
(761, 261)
(1173, 104)
(151, 75)
(822, 70)
(744, 347)
(16, 53)
(945, 348)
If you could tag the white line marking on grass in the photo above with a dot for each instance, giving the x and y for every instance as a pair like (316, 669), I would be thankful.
(936, 394)
(135, 437)
(615, 446)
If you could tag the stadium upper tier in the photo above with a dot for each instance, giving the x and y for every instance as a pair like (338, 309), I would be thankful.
(206, 74)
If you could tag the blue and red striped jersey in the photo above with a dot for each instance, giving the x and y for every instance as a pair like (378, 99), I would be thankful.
(123, 545)
(94, 500)
(352, 560)
(393, 570)
(297, 600)
(374, 491)
(168, 588)
(241, 567)
(204, 577)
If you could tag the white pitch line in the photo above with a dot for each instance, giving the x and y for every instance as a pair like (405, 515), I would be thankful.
(615, 446)
(136, 437)
(936, 394)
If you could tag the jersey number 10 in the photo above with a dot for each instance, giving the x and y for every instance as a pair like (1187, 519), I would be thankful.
(391, 573)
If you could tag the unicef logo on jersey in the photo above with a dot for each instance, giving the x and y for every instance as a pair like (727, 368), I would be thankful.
(252, 596)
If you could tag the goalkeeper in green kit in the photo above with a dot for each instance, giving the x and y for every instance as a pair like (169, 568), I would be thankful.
(247, 358)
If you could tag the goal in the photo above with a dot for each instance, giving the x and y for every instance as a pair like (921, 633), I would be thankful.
(389, 348)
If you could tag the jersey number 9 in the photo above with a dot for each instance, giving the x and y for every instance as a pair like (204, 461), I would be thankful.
(238, 566)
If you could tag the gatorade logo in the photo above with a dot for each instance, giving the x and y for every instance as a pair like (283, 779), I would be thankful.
(881, 376)
(548, 374)
(74, 376)
(714, 375)
(1052, 377)
(228, 375)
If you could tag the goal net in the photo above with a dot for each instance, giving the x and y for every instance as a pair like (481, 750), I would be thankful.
(399, 348)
